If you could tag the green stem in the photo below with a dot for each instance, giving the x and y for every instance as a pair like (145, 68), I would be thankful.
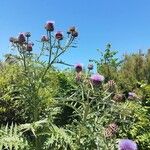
(49, 59)
(24, 61)
(63, 50)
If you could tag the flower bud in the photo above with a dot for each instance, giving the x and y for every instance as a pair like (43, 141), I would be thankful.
(119, 97)
(27, 34)
(111, 83)
(49, 26)
(132, 95)
(78, 68)
(111, 130)
(44, 38)
(74, 34)
(29, 47)
(90, 66)
(72, 29)
(13, 40)
(21, 38)
(59, 35)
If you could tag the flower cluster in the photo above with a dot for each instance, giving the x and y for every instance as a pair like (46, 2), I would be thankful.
(96, 79)
(49, 26)
(22, 41)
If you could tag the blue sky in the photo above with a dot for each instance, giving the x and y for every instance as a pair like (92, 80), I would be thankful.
(123, 23)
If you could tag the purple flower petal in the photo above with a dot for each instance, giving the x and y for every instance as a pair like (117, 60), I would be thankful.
(126, 144)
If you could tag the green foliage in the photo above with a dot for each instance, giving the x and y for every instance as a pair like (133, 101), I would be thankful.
(93, 109)
(58, 138)
(12, 138)
(16, 95)
(140, 130)
(146, 96)
(44, 108)
(11, 108)
(135, 69)
(108, 63)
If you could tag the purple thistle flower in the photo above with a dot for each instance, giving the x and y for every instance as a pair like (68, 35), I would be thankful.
(126, 144)
(49, 26)
(29, 47)
(132, 95)
(21, 38)
(78, 68)
(44, 38)
(97, 79)
(59, 35)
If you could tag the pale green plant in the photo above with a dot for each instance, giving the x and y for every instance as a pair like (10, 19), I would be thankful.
(12, 138)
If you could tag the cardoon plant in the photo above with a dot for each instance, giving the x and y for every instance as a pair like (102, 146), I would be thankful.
(35, 70)
(92, 107)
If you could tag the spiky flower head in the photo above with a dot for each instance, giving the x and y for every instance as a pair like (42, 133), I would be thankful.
(71, 29)
(126, 144)
(59, 35)
(111, 130)
(119, 97)
(49, 26)
(29, 47)
(44, 38)
(111, 86)
(111, 83)
(97, 79)
(78, 68)
(73, 32)
(21, 38)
